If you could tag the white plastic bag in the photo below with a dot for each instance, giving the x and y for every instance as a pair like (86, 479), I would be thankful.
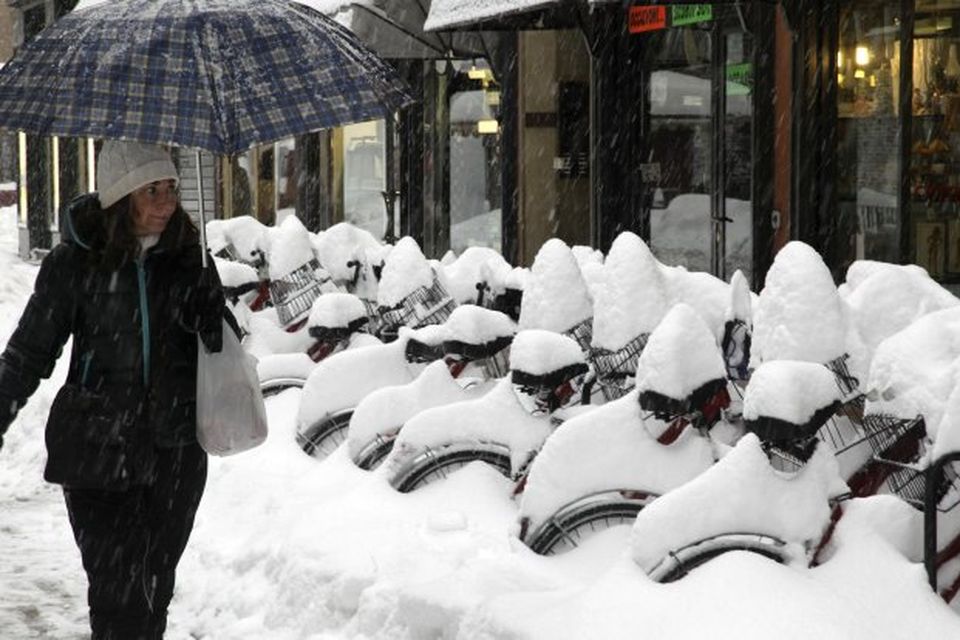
(230, 414)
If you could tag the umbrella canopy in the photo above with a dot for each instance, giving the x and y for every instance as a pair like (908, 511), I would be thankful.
(217, 75)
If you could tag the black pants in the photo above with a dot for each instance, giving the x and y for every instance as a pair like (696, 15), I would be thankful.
(131, 542)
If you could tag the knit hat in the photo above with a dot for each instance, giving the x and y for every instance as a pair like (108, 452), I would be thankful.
(124, 167)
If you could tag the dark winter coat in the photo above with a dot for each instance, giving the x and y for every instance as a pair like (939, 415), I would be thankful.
(131, 385)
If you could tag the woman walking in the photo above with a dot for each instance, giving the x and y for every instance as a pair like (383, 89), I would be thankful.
(127, 284)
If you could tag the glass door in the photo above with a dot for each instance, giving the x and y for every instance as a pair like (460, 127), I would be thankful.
(697, 166)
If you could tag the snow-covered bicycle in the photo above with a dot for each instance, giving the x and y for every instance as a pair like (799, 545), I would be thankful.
(600, 469)
(476, 349)
(505, 428)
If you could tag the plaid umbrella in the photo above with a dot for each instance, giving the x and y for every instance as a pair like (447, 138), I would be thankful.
(218, 75)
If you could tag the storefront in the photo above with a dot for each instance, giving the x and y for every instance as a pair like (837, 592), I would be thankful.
(719, 131)
(650, 118)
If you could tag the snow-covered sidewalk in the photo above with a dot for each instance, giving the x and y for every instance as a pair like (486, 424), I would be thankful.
(287, 547)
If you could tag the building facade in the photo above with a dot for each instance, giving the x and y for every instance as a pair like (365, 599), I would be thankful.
(716, 131)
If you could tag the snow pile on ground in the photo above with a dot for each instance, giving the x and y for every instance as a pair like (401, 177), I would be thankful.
(497, 417)
(336, 311)
(885, 298)
(291, 248)
(680, 357)
(914, 371)
(800, 315)
(383, 411)
(469, 269)
(740, 493)
(537, 352)
(555, 296)
(405, 271)
(633, 297)
(789, 390)
(609, 448)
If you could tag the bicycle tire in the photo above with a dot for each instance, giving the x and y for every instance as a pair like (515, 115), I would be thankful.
(323, 437)
(374, 452)
(679, 563)
(570, 522)
(275, 385)
(438, 462)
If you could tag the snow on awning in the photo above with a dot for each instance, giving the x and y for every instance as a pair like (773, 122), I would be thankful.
(449, 14)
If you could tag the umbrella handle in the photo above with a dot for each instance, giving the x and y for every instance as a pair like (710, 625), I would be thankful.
(203, 217)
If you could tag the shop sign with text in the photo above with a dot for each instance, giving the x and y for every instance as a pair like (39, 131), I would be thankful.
(647, 18)
(690, 14)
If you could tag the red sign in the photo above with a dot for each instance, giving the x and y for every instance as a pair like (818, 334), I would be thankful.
(647, 18)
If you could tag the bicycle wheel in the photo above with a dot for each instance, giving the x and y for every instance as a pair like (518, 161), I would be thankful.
(275, 385)
(438, 463)
(679, 563)
(322, 437)
(374, 452)
(577, 520)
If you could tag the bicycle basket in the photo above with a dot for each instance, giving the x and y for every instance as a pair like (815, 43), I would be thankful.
(373, 316)
(293, 294)
(425, 305)
(840, 367)
(582, 333)
(790, 456)
(842, 430)
(893, 438)
(616, 370)
(899, 443)
(909, 482)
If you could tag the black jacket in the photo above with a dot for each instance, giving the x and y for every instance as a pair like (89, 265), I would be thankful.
(131, 385)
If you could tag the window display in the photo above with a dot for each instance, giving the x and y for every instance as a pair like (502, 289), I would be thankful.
(868, 218)
(934, 212)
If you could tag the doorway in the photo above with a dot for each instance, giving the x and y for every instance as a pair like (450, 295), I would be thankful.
(697, 165)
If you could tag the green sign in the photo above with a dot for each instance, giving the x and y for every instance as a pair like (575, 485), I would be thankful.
(739, 79)
(690, 14)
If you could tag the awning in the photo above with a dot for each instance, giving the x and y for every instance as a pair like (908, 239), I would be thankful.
(500, 14)
(395, 30)
(528, 14)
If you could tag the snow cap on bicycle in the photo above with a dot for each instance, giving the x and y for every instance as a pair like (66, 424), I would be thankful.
(547, 370)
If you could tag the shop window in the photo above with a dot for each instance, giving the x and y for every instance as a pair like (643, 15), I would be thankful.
(475, 214)
(261, 182)
(934, 204)
(286, 172)
(869, 168)
(364, 176)
(678, 169)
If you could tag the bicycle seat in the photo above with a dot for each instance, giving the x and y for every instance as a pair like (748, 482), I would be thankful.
(665, 408)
